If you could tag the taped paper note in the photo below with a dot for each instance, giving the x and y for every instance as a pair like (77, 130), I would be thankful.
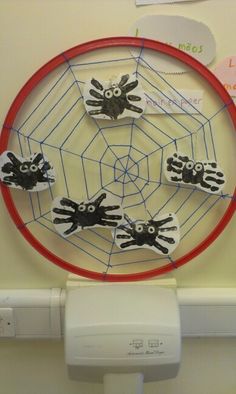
(179, 102)
(226, 72)
(186, 34)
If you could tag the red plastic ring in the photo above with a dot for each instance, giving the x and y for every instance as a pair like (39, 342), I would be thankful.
(52, 65)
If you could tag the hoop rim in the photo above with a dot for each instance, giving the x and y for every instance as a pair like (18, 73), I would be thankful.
(36, 79)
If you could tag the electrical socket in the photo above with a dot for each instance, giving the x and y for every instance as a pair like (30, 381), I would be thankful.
(7, 324)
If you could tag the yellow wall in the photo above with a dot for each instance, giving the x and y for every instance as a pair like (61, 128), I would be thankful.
(32, 32)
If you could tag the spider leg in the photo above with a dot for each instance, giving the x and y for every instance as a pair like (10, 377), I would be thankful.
(176, 179)
(62, 211)
(98, 200)
(127, 244)
(8, 168)
(62, 220)
(207, 186)
(127, 230)
(130, 86)
(96, 94)
(112, 217)
(124, 236)
(176, 161)
(166, 239)
(170, 167)
(38, 158)
(46, 166)
(127, 219)
(96, 84)
(94, 103)
(212, 164)
(107, 223)
(11, 178)
(164, 229)
(133, 108)
(213, 178)
(42, 178)
(159, 223)
(172, 163)
(185, 159)
(123, 80)
(160, 247)
(218, 181)
(95, 112)
(71, 229)
(68, 203)
(111, 208)
(50, 180)
(213, 172)
(132, 97)
(13, 159)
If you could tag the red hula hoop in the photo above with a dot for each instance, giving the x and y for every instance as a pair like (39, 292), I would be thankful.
(34, 81)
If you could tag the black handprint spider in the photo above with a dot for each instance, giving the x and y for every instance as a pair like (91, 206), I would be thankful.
(34, 173)
(206, 175)
(114, 98)
(75, 216)
(154, 234)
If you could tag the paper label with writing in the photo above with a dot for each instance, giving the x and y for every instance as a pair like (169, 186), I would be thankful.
(179, 102)
(188, 35)
(226, 72)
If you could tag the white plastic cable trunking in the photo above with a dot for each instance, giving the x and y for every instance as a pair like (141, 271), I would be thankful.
(33, 314)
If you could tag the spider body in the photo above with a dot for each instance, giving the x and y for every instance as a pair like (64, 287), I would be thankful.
(32, 174)
(206, 175)
(75, 216)
(114, 100)
(154, 234)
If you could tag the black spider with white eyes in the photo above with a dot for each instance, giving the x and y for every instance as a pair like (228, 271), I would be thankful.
(206, 175)
(154, 234)
(34, 173)
(114, 100)
(75, 216)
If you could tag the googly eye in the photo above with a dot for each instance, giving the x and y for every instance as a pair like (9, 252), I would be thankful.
(108, 94)
(81, 207)
(139, 228)
(24, 168)
(33, 168)
(91, 208)
(189, 165)
(151, 230)
(117, 92)
(198, 167)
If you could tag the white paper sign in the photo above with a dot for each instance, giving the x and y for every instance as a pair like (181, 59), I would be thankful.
(179, 102)
(188, 35)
